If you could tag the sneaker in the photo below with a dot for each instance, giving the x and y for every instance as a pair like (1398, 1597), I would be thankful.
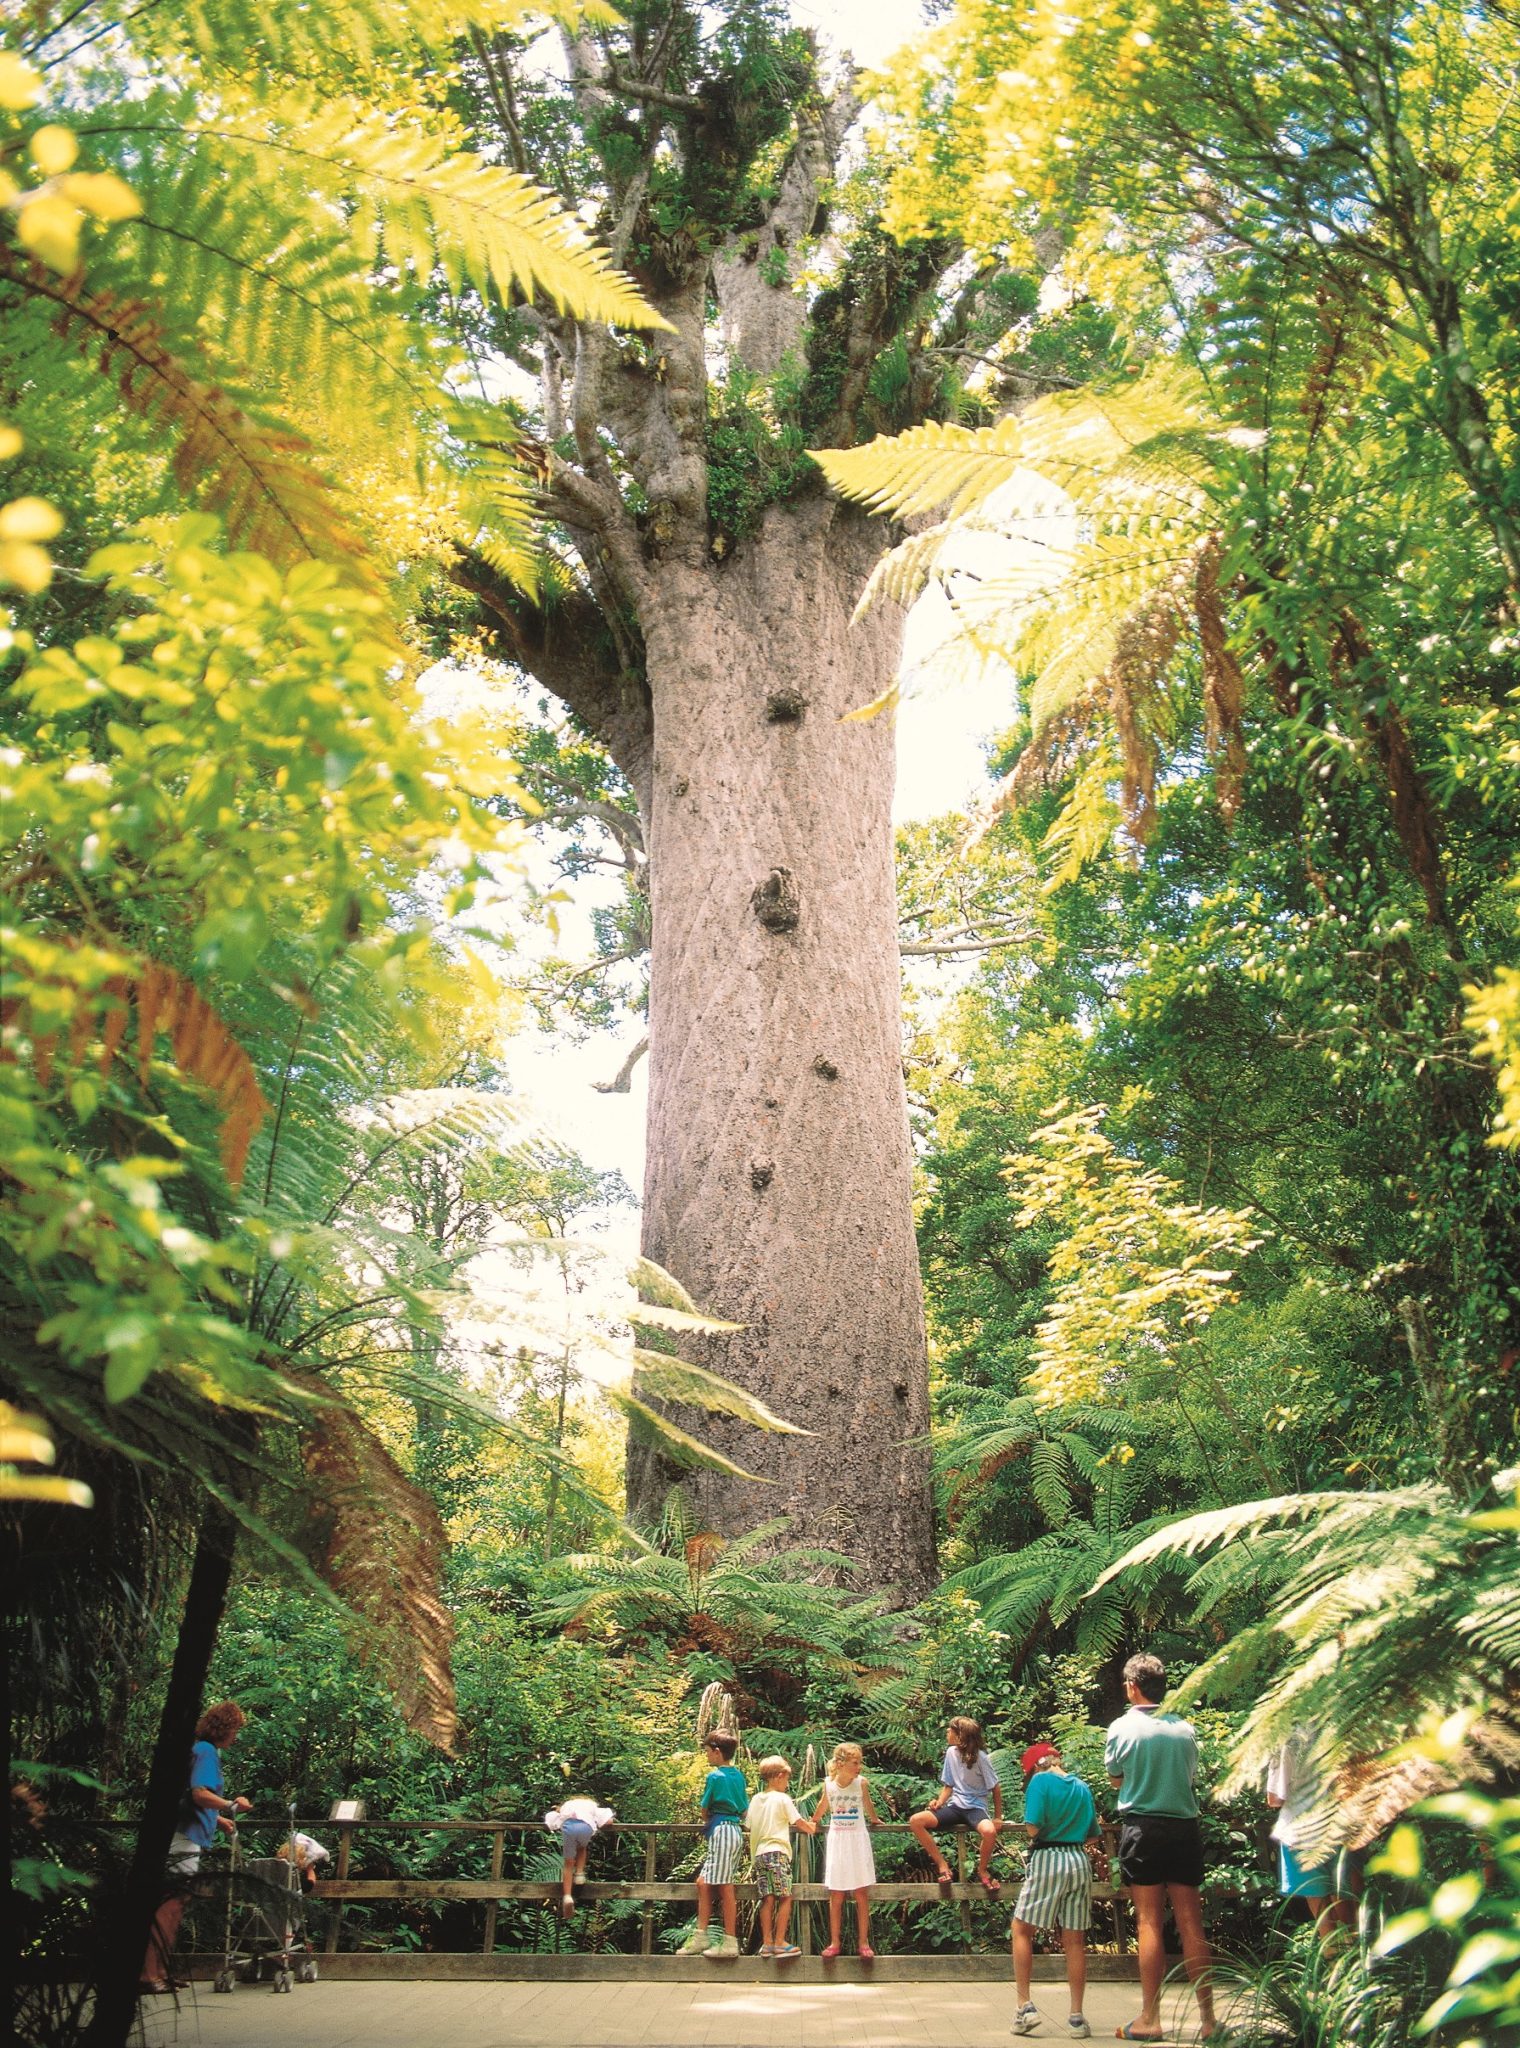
(696, 1943)
(1026, 2019)
(724, 1950)
(1077, 2028)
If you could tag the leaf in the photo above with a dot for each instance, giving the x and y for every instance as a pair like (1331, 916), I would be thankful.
(673, 1379)
(682, 1448)
(381, 1550)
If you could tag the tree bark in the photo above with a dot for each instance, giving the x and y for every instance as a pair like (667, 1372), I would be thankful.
(125, 1937)
(779, 1183)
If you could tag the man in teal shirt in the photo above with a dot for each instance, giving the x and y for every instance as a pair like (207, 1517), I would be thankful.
(1152, 1758)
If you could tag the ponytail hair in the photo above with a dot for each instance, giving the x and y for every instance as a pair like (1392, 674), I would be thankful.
(967, 1736)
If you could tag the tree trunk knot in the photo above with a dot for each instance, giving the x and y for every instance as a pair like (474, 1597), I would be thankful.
(657, 528)
(785, 707)
(761, 1173)
(825, 1069)
(776, 901)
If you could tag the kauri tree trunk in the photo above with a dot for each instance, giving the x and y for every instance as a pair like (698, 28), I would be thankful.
(706, 643)
(778, 1185)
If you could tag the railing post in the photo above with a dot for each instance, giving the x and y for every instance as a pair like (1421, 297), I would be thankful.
(646, 1925)
(498, 1842)
(345, 1844)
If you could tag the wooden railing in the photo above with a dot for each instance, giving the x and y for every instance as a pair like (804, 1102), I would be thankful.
(649, 1889)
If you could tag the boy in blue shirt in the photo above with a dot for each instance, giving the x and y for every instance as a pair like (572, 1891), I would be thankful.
(1060, 1819)
(725, 1801)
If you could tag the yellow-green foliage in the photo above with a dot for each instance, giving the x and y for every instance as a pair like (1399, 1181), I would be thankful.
(1137, 1271)
(1493, 1016)
(236, 779)
(239, 252)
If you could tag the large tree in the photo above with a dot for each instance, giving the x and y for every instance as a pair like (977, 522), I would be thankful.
(700, 629)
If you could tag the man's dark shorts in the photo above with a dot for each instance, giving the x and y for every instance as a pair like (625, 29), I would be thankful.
(953, 1815)
(1160, 1848)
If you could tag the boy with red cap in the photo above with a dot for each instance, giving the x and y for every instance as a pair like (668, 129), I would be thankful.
(1060, 1819)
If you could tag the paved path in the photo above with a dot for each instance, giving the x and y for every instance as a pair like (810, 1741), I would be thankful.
(648, 2015)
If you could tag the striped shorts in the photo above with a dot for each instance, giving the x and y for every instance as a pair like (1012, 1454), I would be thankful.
(1057, 1887)
(725, 1851)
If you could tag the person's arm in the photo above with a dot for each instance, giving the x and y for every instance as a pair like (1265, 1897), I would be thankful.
(203, 1796)
(997, 1806)
(865, 1799)
(796, 1818)
(822, 1806)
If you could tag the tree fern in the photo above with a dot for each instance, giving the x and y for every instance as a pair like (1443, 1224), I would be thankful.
(262, 305)
(1365, 1594)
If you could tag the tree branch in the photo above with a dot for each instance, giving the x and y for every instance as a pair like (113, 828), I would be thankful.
(622, 1080)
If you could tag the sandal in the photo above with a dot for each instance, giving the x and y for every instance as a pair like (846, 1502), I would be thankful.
(946, 1884)
(1127, 2033)
(866, 1953)
(989, 1884)
(827, 1955)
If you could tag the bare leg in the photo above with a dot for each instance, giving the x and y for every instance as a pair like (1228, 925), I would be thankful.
(836, 1915)
(921, 1827)
(161, 1939)
(1023, 1959)
(783, 1918)
(767, 1916)
(730, 1901)
(704, 1905)
(1074, 1942)
(988, 1831)
(567, 1884)
(1187, 1911)
(1149, 1902)
(863, 1916)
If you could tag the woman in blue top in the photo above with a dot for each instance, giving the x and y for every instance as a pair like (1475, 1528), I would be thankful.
(204, 1809)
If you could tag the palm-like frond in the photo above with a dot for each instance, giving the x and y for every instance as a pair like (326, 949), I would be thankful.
(262, 304)
(1363, 1592)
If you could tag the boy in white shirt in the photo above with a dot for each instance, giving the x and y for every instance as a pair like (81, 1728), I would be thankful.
(770, 1818)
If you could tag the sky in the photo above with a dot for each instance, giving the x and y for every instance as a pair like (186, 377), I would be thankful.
(941, 735)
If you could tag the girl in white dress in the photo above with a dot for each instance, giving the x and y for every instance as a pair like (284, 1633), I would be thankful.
(848, 1865)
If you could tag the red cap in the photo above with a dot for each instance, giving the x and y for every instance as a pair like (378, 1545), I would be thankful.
(1036, 1754)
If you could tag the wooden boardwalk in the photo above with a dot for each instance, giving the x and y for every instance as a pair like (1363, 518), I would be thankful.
(645, 2014)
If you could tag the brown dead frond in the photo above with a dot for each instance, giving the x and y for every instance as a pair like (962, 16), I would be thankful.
(381, 1546)
(260, 474)
(1223, 684)
(168, 1005)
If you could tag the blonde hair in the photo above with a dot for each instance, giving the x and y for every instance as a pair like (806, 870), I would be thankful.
(847, 1753)
(773, 1767)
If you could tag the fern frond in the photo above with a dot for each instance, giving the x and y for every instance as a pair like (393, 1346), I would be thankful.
(381, 1552)
(418, 203)
(257, 471)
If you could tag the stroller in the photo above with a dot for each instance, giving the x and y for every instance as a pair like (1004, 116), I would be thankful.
(265, 1925)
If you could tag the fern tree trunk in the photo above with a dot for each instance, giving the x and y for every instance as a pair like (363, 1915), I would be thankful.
(124, 1936)
(707, 645)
